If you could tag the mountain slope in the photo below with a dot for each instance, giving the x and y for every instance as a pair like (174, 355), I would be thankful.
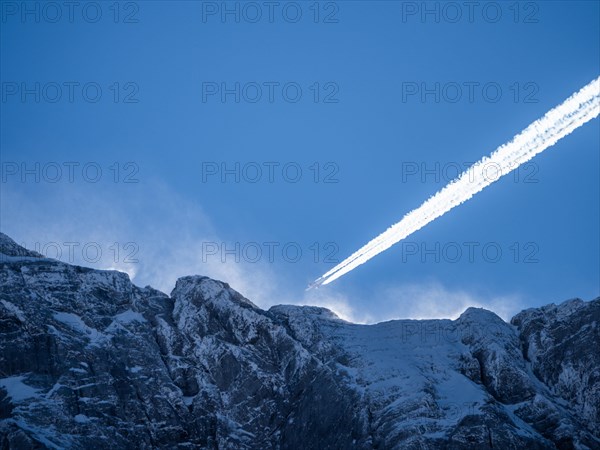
(89, 360)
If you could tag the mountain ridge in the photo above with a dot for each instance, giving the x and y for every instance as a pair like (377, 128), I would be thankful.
(89, 359)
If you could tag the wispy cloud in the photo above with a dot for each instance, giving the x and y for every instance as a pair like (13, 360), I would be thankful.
(341, 304)
(147, 231)
(432, 300)
(169, 230)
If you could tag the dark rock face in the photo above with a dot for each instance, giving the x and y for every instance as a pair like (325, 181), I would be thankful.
(562, 345)
(89, 360)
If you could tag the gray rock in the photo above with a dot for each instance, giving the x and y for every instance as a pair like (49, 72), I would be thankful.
(89, 360)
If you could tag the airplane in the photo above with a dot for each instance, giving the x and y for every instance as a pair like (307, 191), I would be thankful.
(315, 284)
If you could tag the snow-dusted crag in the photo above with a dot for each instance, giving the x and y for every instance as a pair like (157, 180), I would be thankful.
(89, 360)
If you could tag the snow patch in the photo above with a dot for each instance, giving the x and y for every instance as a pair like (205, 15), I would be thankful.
(77, 324)
(17, 390)
(81, 418)
(129, 316)
(14, 309)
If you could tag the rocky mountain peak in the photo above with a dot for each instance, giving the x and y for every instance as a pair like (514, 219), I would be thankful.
(8, 247)
(89, 360)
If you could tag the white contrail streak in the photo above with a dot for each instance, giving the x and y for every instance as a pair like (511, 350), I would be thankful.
(557, 123)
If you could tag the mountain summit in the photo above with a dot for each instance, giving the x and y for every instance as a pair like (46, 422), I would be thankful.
(89, 360)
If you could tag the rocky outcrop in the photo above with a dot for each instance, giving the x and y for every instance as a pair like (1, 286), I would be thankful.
(561, 343)
(89, 360)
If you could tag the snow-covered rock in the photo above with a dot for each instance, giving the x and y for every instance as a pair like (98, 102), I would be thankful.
(89, 360)
(562, 345)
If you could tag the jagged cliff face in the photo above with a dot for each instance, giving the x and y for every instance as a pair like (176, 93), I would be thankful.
(562, 344)
(88, 360)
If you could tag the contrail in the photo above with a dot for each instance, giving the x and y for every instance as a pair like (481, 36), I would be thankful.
(557, 123)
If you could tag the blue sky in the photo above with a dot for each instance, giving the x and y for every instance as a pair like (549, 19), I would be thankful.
(161, 126)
